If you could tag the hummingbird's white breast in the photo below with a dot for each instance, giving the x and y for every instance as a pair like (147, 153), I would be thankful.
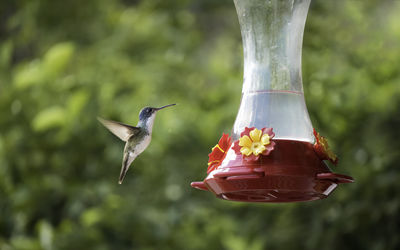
(148, 126)
(140, 147)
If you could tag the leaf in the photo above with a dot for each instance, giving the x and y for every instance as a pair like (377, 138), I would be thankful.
(41, 71)
(76, 103)
(28, 75)
(45, 235)
(57, 58)
(49, 118)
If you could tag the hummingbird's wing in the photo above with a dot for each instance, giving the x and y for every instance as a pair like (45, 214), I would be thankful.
(121, 130)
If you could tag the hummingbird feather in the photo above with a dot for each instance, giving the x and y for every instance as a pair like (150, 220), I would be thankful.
(129, 157)
(122, 131)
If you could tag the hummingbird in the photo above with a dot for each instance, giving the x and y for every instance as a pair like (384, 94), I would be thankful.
(137, 138)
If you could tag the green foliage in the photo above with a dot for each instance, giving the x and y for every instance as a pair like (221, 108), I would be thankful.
(62, 63)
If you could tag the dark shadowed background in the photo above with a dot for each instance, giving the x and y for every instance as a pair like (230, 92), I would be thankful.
(62, 63)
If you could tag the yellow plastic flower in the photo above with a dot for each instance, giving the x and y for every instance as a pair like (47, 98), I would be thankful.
(255, 144)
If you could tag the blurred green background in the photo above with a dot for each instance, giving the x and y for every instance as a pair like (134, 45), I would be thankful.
(62, 63)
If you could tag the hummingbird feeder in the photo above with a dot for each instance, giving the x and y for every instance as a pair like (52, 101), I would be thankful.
(273, 153)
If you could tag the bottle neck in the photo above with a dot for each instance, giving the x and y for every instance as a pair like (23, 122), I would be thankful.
(272, 33)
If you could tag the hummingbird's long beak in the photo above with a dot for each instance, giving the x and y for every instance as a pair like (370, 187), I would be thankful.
(166, 106)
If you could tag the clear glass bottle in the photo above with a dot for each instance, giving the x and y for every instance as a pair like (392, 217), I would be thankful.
(272, 94)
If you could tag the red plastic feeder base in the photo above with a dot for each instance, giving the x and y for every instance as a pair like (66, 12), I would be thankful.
(292, 172)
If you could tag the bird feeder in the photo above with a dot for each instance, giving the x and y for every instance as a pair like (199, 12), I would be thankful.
(273, 153)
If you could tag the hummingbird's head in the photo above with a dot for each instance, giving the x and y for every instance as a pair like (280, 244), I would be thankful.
(148, 112)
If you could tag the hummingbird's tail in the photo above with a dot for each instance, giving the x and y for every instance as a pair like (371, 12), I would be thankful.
(126, 162)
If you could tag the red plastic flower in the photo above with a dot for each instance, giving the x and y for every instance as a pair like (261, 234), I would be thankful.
(322, 148)
(254, 142)
(218, 152)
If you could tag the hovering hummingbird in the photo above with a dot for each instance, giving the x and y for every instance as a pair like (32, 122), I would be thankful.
(137, 138)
